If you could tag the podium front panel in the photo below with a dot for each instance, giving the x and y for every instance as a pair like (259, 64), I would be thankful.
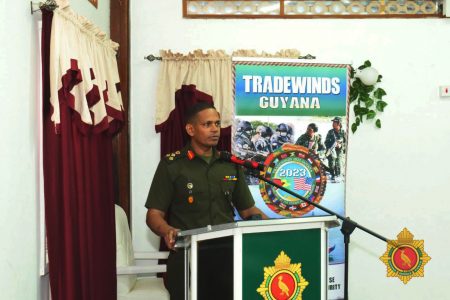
(274, 259)
(279, 263)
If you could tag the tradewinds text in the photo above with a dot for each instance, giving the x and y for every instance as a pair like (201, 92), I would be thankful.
(291, 85)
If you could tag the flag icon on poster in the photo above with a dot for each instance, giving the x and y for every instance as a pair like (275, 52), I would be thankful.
(302, 183)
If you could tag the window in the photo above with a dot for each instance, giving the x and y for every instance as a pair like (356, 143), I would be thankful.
(313, 9)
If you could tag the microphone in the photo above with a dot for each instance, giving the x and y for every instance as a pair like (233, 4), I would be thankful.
(249, 164)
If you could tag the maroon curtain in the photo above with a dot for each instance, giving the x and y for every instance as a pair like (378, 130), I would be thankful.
(79, 199)
(173, 133)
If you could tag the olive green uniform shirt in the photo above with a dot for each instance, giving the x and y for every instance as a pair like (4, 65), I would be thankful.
(314, 143)
(195, 193)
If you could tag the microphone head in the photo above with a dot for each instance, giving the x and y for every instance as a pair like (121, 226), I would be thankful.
(224, 155)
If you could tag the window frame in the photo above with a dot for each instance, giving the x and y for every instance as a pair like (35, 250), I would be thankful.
(282, 15)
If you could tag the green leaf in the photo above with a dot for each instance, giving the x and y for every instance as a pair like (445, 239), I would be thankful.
(368, 88)
(367, 63)
(379, 78)
(381, 105)
(357, 84)
(379, 93)
(354, 127)
(363, 111)
(369, 102)
(356, 109)
(371, 114)
(364, 97)
(378, 123)
(353, 95)
(352, 72)
(357, 121)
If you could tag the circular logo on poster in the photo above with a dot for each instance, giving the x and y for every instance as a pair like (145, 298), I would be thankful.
(299, 170)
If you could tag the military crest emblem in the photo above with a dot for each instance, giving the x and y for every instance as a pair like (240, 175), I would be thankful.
(405, 257)
(283, 281)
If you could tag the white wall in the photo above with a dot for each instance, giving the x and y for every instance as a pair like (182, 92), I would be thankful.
(396, 177)
(19, 189)
(19, 278)
(99, 16)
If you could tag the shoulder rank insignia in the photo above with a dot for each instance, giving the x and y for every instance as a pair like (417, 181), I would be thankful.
(405, 258)
(173, 155)
(283, 281)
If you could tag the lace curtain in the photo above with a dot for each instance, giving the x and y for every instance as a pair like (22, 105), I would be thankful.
(210, 72)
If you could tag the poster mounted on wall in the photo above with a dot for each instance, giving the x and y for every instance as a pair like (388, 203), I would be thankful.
(292, 116)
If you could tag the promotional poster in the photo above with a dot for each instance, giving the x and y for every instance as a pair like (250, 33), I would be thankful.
(292, 117)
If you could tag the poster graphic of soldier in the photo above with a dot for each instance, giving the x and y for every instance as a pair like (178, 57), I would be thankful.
(256, 137)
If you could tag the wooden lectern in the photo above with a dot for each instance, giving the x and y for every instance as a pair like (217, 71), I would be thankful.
(264, 259)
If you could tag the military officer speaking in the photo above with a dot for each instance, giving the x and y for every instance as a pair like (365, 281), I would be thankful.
(193, 188)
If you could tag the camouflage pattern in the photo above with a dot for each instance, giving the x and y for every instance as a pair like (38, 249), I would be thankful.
(262, 145)
(277, 141)
(335, 154)
(243, 144)
(314, 144)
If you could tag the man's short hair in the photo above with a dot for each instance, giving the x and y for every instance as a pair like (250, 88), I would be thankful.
(192, 111)
(313, 126)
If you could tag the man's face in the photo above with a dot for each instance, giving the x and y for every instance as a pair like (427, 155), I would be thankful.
(336, 126)
(310, 132)
(205, 129)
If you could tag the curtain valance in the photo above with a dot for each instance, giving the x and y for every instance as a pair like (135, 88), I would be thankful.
(210, 72)
(83, 72)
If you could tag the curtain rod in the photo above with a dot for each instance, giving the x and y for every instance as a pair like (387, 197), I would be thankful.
(152, 58)
(48, 5)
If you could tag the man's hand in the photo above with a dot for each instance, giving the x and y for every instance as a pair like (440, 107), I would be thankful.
(158, 224)
(252, 211)
(170, 237)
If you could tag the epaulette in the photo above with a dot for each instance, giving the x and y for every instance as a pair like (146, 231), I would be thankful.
(172, 156)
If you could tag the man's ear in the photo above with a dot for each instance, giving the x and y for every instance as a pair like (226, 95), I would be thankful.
(190, 129)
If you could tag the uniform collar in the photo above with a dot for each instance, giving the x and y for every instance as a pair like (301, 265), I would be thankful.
(190, 153)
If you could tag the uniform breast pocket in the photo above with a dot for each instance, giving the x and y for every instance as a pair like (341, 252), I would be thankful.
(227, 189)
(189, 193)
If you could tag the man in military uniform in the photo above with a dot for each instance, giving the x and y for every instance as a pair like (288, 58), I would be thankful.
(192, 188)
(290, 134)
(335, 142)
(311, 139)
(257, 134)
(243, 144)
(262, 144)
(280, 137)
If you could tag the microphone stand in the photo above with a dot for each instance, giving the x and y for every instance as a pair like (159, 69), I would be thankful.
(348, 225)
